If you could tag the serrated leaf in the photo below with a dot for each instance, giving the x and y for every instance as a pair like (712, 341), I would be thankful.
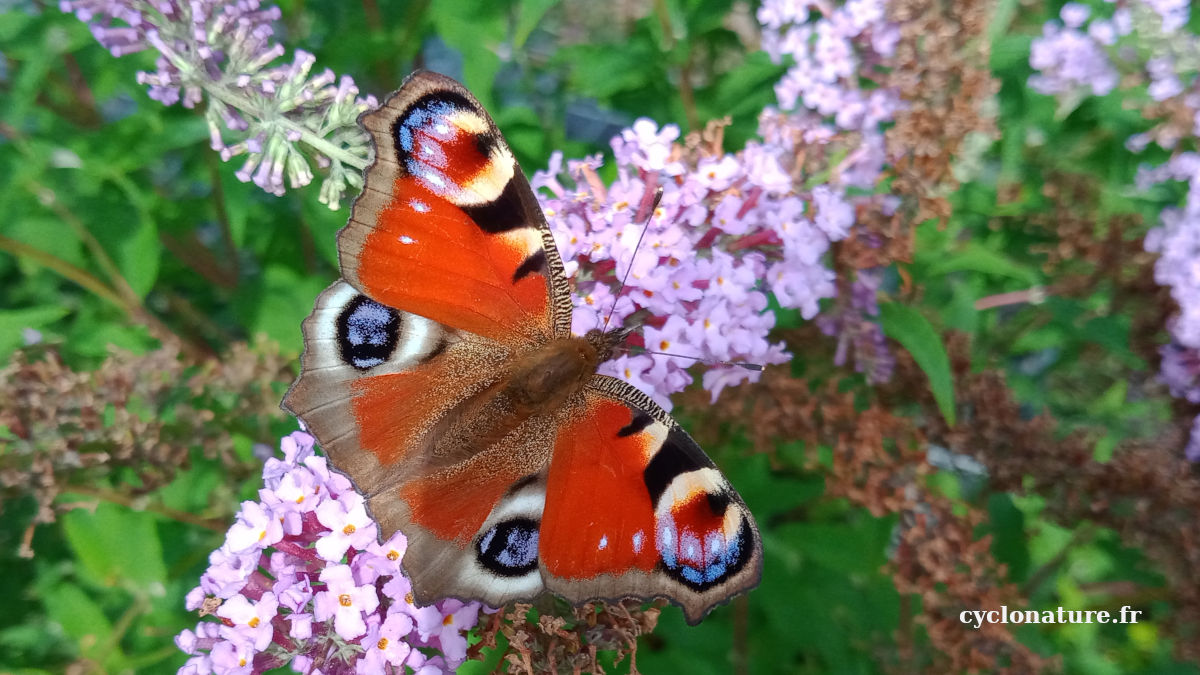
(914, 332)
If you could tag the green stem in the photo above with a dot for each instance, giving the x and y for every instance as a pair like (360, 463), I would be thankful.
(235, 100)
(121, 627)
(48, 198)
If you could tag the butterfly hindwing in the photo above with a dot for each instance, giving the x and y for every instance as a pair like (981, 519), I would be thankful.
(499, 564)
(447, 226)
(374, 388)
(635, 508)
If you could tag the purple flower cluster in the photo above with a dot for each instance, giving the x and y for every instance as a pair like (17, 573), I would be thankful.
(833, 48)
(732, 227)
(1071, 59)
(857, 328)
(1146, 39)
(1084, 53)
(694, 281)
(302, 580)
(223, 51)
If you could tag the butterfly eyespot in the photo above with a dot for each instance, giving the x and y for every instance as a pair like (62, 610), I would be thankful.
(510, 548)
(367, 332)
(702, 561)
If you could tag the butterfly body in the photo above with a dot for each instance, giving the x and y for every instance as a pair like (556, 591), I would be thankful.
(441, 375)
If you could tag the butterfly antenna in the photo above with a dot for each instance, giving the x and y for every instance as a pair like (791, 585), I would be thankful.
(740, 364)
(658, 193)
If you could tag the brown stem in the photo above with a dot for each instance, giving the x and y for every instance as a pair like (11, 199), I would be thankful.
(64, 269)
(180, 306)
(198, 258)
(214, 524)
(222, 214)
(48, 198)
(130, 301)
(686, 95)
(741, 635)
(87, 111)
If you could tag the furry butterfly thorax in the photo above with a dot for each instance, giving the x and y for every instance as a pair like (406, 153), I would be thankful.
(441, 376)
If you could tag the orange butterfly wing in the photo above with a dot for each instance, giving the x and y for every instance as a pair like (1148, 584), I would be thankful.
(635, 508)
(447, 226)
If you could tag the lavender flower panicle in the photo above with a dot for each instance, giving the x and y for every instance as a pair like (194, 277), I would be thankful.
(1146, 40)
(221, 51)
(301, 580)
(727, 221)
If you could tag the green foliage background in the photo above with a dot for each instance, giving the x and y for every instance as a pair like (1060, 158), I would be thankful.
(217, 260)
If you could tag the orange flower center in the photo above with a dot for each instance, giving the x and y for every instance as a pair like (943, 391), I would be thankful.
(382, 644)
(393, 555)
(253, 623)
(344, 599)
(349, 529)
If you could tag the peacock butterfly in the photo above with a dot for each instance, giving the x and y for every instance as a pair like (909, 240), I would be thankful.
(441, 375)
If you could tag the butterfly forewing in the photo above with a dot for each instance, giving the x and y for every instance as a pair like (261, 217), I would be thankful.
(447, 226)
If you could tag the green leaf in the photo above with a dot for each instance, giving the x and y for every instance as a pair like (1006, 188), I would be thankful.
(82, 619)
(912, 330)
(529, 15)
(138, 257)
(976, 258)
(279, 303)
(13, 323)
(116, 545)
(47, 234)
(1002, 16)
